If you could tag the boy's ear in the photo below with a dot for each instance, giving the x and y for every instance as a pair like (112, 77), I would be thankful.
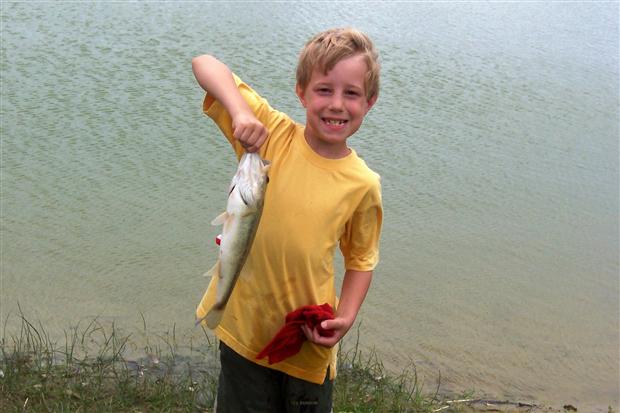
(372, 101)
(300, 94)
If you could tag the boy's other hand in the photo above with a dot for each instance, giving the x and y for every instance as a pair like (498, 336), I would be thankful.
(339, 326)
(249, 131)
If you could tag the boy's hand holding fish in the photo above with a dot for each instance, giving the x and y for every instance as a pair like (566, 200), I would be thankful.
(248, 130)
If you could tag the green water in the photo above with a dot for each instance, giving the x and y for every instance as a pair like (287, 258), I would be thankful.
(496, 136)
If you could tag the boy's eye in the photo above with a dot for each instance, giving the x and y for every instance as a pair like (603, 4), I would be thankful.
(323, 90)
(353, 93)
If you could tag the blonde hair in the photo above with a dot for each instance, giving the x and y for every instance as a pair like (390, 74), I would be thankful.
(326, 49)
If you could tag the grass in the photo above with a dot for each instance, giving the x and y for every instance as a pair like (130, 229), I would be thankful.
(92, 371)
(363, 385)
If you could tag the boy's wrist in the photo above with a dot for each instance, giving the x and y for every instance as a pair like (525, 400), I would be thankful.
(347, 319)
(239, 111)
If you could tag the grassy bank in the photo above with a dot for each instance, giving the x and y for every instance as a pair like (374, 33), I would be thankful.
(98, 369)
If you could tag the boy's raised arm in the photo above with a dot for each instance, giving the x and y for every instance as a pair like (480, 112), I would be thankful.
(216, 78)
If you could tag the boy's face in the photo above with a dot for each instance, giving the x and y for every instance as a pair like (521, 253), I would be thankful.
(335, 105)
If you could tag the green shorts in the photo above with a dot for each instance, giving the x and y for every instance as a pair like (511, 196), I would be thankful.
(246, 387)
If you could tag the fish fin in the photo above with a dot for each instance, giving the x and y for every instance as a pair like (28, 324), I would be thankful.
(220, 219)
(266, 166)
(243, 198)
(213, 317)
(246, 193)
(214, 271)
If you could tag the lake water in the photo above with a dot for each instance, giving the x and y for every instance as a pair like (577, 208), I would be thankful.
(496, 136)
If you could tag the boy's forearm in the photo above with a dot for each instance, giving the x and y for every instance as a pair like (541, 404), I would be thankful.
(354, 288)
(216, 78)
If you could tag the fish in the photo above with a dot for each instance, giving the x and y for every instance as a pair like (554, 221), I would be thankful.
(246, 197)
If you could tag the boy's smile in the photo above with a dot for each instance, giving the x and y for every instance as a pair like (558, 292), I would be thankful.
(336, 104)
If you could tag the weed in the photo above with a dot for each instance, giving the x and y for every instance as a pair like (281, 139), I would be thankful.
(91, 372)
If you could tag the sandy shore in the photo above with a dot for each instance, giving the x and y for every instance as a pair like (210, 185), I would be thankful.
(485, 405)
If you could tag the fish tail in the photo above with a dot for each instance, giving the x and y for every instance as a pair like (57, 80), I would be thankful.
(213, 317)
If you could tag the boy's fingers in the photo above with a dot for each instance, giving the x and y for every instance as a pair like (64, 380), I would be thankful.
(250, 136)
(242, 134)
(253, 137)
(309, 333)
(314, 336)
(334, 324)
(258, 135)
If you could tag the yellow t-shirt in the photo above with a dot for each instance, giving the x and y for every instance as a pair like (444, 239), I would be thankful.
(312, 205)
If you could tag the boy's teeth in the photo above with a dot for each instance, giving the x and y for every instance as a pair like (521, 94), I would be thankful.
(334, 121)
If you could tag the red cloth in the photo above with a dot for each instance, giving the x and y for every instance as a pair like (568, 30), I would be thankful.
(288, 341)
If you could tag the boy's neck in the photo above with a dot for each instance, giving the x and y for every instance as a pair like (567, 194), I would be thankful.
(327, 151)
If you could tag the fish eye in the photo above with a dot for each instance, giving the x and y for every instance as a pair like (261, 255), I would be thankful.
(267, 179)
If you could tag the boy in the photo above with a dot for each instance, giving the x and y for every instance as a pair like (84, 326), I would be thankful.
(321, 195)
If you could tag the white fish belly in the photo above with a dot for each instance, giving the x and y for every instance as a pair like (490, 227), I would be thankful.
(234, 250)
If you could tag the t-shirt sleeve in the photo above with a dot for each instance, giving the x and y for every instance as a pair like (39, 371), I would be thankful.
(360, 241)
(269, 117)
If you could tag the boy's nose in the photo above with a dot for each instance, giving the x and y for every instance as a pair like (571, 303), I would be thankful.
(336, 103)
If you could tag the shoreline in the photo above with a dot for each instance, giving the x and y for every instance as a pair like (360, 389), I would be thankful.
(96, 363)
